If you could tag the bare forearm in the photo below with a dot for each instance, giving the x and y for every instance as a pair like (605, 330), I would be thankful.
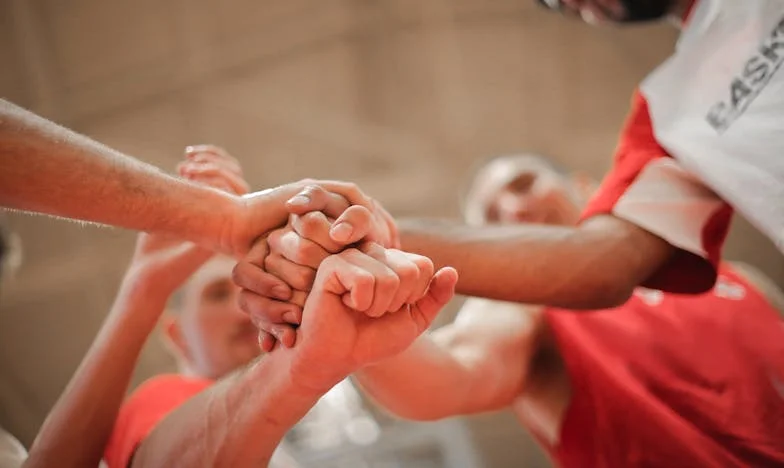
(237, 422)
(77, 429)
(49, 169)
(425, 382)
(593, 266)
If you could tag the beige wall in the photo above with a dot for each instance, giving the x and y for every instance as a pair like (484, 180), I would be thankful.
(401, 96)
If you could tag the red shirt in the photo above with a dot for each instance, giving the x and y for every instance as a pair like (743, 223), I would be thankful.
(675, 381)
(148, 405)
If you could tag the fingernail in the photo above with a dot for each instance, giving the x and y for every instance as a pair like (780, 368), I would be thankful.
(280, 292)
(341, 232)
(300, 200)
(189, 149)
(290, 317)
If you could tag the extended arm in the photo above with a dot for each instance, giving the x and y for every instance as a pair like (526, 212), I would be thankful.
(50, 169)
(471, 365)
(237, 422)
(596, 265)
(77, 429)
(240, 421)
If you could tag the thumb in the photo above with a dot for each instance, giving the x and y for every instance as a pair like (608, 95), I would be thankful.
(440, 292)
(353, 225)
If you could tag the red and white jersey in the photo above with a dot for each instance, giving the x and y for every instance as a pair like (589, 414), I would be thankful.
(706, 131)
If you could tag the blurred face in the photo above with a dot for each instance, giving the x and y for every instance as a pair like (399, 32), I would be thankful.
(528, 191)
(615, 11)
(213, 335)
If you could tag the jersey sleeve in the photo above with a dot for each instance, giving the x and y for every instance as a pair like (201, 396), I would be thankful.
(145, 408)
(653, 191)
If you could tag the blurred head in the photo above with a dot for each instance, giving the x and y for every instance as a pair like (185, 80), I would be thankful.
(618, 11)
(209, 333)
(525, 188)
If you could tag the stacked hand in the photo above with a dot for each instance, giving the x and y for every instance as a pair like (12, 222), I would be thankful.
(366, 305)
(357, 301)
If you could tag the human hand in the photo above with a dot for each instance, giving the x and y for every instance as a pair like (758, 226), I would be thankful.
(327, 216)
(366, 307)
(293, 253)
(162, 263)
(258, 213)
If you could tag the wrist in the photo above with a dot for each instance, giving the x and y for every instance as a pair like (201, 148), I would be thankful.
(223, 227)
(308, 376)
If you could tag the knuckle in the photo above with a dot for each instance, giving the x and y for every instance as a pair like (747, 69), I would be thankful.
(366, 280)
(245, 302)
(408, 272)
(425, 264)
(274, 240)
(388, 281)
(304, 279)
(311, 224)
(237, 273)
(351, 253)
(307, 252)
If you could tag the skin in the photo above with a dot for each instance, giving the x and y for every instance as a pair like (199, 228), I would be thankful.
(68, 175)
(548, 261)
(240, 420)
(76, 430)
(210, 335)
(512, 361)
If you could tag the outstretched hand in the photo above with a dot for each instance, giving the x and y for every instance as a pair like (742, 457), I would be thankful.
(279, 270)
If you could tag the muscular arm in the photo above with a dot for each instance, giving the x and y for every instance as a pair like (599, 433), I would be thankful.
(593, 266)
(49, 169)
(471, 365)
(237, 422)
(76, 431)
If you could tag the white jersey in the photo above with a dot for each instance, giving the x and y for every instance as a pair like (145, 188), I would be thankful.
(717, 105)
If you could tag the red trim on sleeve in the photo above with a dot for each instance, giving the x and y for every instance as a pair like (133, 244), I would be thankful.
(689, 10)
(636, 148)
(685, 272)
(145, 408)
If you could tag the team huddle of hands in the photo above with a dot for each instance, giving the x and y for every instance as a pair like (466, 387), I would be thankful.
(318, 266)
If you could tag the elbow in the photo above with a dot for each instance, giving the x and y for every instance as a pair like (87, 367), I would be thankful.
(612, 295)
(600, 292)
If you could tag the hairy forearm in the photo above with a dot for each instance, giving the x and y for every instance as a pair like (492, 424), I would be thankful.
(425, 382)
(49, 169)
(77, 429)
(237, 422)
(594, 266)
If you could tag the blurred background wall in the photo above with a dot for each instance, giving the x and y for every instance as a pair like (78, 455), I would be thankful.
(402, 96)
